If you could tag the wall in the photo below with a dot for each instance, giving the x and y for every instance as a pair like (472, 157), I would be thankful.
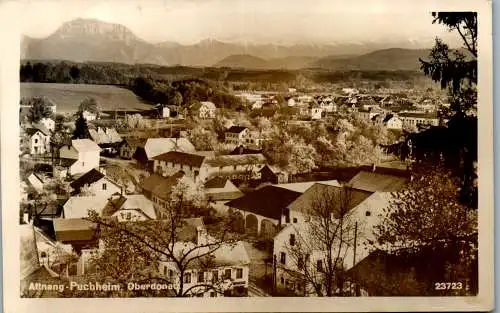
(87, 160)
(111, 188)
(122, 216)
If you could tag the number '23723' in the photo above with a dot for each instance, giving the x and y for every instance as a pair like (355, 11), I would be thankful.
(448, 286)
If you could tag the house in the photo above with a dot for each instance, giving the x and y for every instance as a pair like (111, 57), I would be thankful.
(128, 147)
(237, 135)
(273, 174)
(83, 153)
(89, 116)
(291, 102)
(78, 232)
(80, 206)
(373, 182)
(129, 208)
(204, 109)
(316, 112)
(412, 119)
(393, 122)
(228, 271)
(38, 139)
(201, 168)
(48, 123)
(244, 150)
(296, 253)
(95, 183)
(260, 211)
(51, 253)
(219, 190)
(157, 146)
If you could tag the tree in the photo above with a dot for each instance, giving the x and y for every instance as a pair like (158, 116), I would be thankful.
(301, 157)
(320, 249)
(81, 128)
(203, 139)
(88, 104)
(456, 71)
(133, 251)
(426, 220)
(39, 107)
(177, 99)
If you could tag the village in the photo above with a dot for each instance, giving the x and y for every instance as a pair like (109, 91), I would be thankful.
(129, 167)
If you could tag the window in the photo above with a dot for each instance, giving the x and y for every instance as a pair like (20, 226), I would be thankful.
(282, 257)
(187, 278)
(212, 294)
(239, 273)
(234, 167)
(300, 262)
(170, 273)
(199, 295)
(292, 240)
(295, 220)
(36, 140)
(201, 277)
(43, 254)
(220, 168)
(287, 216)
(165, 271)
(319, 265)
(227, 274)
(104, 186)
(368, 213)
(282, 280)
(129, 216)
(215, 276)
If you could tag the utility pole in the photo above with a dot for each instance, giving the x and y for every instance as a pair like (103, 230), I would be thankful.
(354, 254)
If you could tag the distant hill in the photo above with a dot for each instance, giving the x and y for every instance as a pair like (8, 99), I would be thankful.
(386, 59)
(243, 61)
(83, 40)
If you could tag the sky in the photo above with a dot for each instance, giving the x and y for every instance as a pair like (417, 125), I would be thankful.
(256, 21)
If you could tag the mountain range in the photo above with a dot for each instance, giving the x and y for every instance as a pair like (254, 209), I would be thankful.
(93, 40)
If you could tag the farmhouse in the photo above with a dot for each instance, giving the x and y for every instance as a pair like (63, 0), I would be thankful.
(83, 153)
(237, 135)
(38, 139)
(96, 183)
(201, 168)
(292, 262)
(128, 147)
(127, 208)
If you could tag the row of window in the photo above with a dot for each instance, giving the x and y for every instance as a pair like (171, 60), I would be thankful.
(201, 277)
(301, 260)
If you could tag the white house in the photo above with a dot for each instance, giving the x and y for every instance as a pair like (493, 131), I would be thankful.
(96, 183)
(38, 139)
(291, 102)
(201, 168)
(237, 135)
(316, 113)
(205, 109)
(226, 275)
(85, 154)
(295, 250)
(393, 122)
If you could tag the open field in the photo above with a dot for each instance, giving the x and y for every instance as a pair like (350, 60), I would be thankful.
(67, 97)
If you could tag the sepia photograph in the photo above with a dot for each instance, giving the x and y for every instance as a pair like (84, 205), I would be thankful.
(290, 152)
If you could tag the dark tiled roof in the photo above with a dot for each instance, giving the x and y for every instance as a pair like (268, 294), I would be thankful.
(181, 158)
(388, 117)
(268, 201)
(216, 182)
(418, 115)
(161, 186)
(75, 229)
(377, 182)
(239, 159)
(86, 179)
(236, 129)
(322, 192)
(244, 150)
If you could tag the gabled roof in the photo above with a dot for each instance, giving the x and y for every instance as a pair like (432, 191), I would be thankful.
(84, 145)
(177, 157)
(377, 182)
(130, 202)
(75, 229)
(37, 127)
(236, 129)
(79, 207)
(322, 192)
(216, 182)
(161, 186)
(88, 178)
(238, 159)
(268, 201)
(210, 105)
(302, 187)
(156, 146)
